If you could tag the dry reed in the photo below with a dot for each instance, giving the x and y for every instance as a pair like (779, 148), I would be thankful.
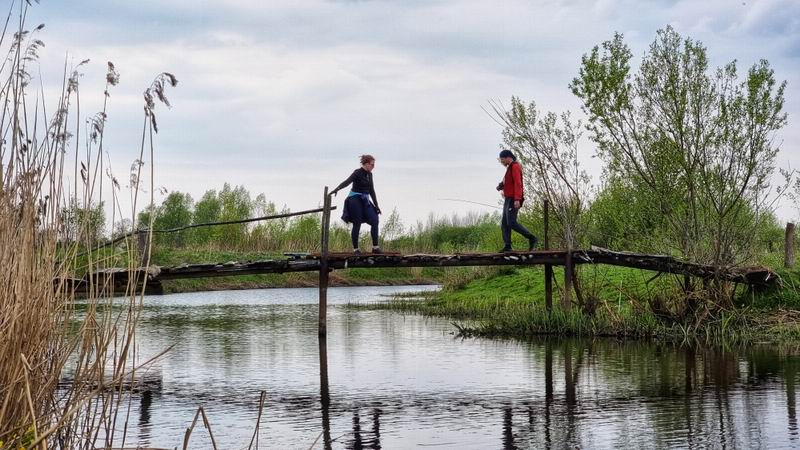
(66, 366)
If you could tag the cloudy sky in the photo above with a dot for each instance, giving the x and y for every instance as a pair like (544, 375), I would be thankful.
(282, 96)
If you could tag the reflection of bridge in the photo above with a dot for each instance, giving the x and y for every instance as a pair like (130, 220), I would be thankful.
(695, 399)
(151, 277)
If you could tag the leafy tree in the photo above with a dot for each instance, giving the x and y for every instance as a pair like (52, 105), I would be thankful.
(82, 223)
(622, 217)
(547, 145)
(235, 205)
(700, 142)
(206, 210)
(174, 212)
(121, 228)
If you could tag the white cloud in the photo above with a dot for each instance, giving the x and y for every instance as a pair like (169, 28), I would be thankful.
(282, 96)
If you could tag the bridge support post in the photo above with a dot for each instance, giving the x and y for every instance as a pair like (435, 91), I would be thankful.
(788, 246)
(548, 268)
(569, 269)
(323, 264)
(143, 241)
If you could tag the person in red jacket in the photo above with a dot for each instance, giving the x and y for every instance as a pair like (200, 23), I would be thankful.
(512, 189)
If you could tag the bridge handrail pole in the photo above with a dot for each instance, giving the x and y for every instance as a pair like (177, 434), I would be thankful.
(323, 263)
(207, 224)
(548, 268)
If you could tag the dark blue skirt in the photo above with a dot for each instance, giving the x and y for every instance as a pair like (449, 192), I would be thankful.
(359, 209)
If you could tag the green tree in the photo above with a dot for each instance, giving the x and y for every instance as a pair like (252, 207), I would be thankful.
(174, 212)
(235, 205)
(85, 224)
(699, 141)
(622, 217)
(547, 145)
(206, 210)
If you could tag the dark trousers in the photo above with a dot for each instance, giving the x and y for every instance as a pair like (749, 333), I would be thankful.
(373, 230)
(360, 210)
(510, 223)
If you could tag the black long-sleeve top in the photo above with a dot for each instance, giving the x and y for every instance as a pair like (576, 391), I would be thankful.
(362, 183)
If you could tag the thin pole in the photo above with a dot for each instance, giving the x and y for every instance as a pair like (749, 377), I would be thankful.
(569, 268)
(788, 246)
(144, 247)
(569, 274)
(323, 265)
(548, 268)
(208, 224)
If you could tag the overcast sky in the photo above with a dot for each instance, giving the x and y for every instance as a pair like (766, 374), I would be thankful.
(282, 97)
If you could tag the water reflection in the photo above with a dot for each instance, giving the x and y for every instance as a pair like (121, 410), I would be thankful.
(324, 393)
(144, 414)
(384, 380)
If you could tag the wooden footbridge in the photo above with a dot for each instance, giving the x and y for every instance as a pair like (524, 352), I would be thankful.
(324, 262)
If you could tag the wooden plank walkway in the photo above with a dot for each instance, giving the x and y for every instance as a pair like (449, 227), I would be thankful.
(309, 262)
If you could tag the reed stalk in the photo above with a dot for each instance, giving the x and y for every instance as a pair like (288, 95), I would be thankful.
(66, 365)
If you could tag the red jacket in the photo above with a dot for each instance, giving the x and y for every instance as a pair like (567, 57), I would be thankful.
(512, 183)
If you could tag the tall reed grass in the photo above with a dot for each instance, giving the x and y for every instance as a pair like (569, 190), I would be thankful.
(66, 365)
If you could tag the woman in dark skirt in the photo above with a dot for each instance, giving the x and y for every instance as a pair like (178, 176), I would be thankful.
(358, 208)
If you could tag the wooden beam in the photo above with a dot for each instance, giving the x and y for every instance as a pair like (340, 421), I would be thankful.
(313, 262)
(323, 264)
(548, 268)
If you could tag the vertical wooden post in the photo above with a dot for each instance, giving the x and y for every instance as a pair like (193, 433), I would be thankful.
(323, 265)
(144, 247)
(548, 268)
(568, 271)
(788, 246)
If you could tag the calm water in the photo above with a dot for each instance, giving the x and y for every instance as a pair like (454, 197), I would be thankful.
(384, 380)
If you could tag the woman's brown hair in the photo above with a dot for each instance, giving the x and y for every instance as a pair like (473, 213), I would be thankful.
(366, 159)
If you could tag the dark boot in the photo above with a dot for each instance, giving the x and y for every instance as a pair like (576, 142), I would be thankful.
(532, 243)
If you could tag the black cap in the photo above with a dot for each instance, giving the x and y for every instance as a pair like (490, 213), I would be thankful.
(507, 154)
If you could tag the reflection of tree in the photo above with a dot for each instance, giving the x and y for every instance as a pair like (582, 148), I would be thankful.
(665, 394)
(674, 395)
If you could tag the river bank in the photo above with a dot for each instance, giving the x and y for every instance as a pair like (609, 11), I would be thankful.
(297, 280)
(617, 302)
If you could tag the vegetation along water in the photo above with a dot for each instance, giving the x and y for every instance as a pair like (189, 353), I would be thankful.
(689, 156)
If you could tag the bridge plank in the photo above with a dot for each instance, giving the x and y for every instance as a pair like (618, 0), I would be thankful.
(759, 276)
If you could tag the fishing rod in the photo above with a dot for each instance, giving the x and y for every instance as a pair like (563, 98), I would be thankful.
(468, 201)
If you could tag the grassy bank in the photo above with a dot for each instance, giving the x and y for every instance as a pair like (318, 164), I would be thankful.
(618, 302)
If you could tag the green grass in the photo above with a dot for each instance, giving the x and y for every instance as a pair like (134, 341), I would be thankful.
(510, 303)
